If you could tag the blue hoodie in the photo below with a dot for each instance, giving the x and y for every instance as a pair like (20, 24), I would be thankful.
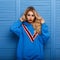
(30, 48)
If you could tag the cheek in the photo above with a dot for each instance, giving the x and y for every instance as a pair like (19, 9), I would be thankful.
(33, 18)
(28, 17)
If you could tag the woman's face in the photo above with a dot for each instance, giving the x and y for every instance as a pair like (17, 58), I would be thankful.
(30, 16)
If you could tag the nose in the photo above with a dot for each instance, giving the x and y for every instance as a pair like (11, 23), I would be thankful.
(31, 16)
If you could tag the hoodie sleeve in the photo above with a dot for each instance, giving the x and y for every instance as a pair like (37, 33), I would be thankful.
(16, 27)
(44, 33)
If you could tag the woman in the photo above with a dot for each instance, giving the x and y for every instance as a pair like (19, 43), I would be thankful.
(33, 35)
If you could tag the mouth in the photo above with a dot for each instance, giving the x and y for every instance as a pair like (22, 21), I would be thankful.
(30, 19)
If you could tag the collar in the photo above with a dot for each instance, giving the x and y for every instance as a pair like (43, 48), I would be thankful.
(27, 23)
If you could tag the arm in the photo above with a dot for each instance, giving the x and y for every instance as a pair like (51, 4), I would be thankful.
(44, 33)
(16, 27)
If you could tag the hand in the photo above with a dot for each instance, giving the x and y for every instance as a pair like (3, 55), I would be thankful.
(42, 21)
(22, 18)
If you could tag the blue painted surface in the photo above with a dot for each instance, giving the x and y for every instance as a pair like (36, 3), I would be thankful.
(11, 10)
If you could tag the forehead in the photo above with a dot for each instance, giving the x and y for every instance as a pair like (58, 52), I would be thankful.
(30, 12)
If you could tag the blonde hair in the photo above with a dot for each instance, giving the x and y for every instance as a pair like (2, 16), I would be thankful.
(38, 19)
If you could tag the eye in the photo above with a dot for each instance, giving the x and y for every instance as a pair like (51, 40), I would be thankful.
(32, 15)
(28, 14)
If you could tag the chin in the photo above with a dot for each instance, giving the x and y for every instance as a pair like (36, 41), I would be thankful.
(30, 21)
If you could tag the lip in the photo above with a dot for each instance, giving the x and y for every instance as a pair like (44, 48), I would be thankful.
(30, 20)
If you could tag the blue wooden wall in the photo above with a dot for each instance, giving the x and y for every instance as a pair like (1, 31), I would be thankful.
(11, 10)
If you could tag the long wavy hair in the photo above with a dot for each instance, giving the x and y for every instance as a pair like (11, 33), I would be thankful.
(37, 20)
